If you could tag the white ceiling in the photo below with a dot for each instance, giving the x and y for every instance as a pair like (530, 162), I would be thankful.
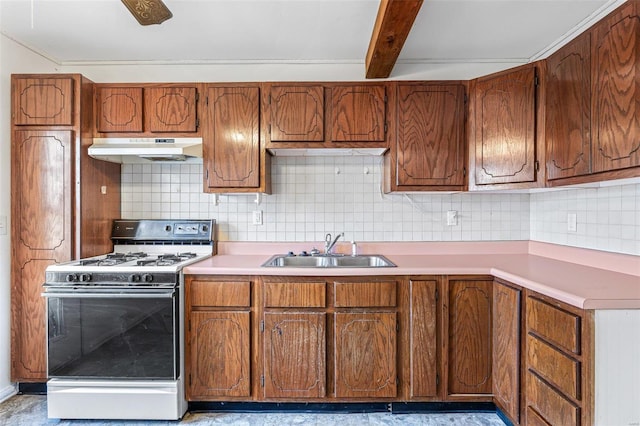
(273, 31)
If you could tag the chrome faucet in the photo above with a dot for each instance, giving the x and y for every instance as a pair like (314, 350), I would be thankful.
(328, 244)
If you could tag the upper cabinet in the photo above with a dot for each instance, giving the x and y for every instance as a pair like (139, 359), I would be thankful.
(325, 115)
(171, 109)
(429, 149)
(119, 109)
(503, 127)
(146, 110)
(616, 90)
(234, 157)
(568, 110)
(358, 113)
(42, 101)
(297, 113)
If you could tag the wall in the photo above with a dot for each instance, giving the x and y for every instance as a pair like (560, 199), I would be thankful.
(608, 217)
(13, 59)
(315, 195)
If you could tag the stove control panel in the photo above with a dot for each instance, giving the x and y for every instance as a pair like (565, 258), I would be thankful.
(194, 231)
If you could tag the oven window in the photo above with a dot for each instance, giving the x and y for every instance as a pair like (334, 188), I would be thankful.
(114, 337)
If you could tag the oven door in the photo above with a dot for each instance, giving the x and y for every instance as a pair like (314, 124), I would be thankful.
(113, 333)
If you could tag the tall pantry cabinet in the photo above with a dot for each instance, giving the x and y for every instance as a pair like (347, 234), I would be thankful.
(62, 201)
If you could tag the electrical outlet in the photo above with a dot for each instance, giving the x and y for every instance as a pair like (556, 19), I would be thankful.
(257, 217)
(3, 225)
(572, 222)
(452, 218)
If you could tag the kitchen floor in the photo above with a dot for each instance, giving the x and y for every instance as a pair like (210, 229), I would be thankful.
(31, 410)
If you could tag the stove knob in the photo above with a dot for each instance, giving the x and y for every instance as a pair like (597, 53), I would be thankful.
(167, 228)
(85, 277)
(72, 277)
(147, 278)
(134, 278)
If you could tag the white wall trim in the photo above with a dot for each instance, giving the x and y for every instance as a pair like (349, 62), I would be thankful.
(7, 392)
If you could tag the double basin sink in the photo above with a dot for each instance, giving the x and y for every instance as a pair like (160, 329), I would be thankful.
(328, 261)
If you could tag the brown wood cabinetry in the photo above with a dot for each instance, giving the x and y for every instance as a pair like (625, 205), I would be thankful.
(358, 113)
(503, 127)
(294, 338)
(616, 94)
(294, 354)
(119, 109)
(424, 338)
(51, 132)
(218, 340)
(170, 109)
(429, 149)
(558, 362)
(568, 110)
(365, 339)
(297, 113)
(468, 322)
(506, 348)
(234, 156)
(43, 101)
(146, 110)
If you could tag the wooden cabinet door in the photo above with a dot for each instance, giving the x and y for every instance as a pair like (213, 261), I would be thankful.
(233, 145)
(505, 119)
(170, 109)
(616, 90)
(358, 113)
(297, 113)
(423, 338)
(430, 142)
(219, 348)
(365, 355)
(119, 109)
(42, 208)
(469, 316)
(568, 110)
(42, 101)
(294, 355)
(506, 349)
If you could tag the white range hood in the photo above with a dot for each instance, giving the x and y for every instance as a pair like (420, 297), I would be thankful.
(144, 150)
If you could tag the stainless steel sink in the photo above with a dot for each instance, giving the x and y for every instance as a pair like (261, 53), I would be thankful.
(363, 261)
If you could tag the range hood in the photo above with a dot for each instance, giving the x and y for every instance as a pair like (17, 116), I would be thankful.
(144, 150)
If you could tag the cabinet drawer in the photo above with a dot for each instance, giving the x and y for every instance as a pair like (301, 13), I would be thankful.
(220, 293)
(549, 403)
(559, 327)
(365, 294)
(554, 366)
(295, 295)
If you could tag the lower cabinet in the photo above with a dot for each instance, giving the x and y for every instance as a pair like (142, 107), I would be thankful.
(365, 355)
(294, 339)
(347, 339)
(365, 338)
(218, 342)
(468, 314)
(506, 348)
(558, 363)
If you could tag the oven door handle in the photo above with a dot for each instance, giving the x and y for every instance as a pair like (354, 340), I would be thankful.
(102, 295)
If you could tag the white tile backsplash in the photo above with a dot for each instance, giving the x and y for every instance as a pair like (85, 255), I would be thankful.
(608, 218)
(315, 195)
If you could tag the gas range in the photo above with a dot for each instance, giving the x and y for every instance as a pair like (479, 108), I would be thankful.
(146, 252)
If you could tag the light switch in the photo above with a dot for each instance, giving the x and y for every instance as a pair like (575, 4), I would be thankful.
(452, 218)
(3, 225)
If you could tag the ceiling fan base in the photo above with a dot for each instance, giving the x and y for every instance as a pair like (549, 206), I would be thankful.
(148, 12)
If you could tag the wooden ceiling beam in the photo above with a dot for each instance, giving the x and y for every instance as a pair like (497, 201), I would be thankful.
(393, 23)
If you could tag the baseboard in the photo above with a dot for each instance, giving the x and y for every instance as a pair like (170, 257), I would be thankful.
(335, 407)
(7, 392)
(32, 388)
